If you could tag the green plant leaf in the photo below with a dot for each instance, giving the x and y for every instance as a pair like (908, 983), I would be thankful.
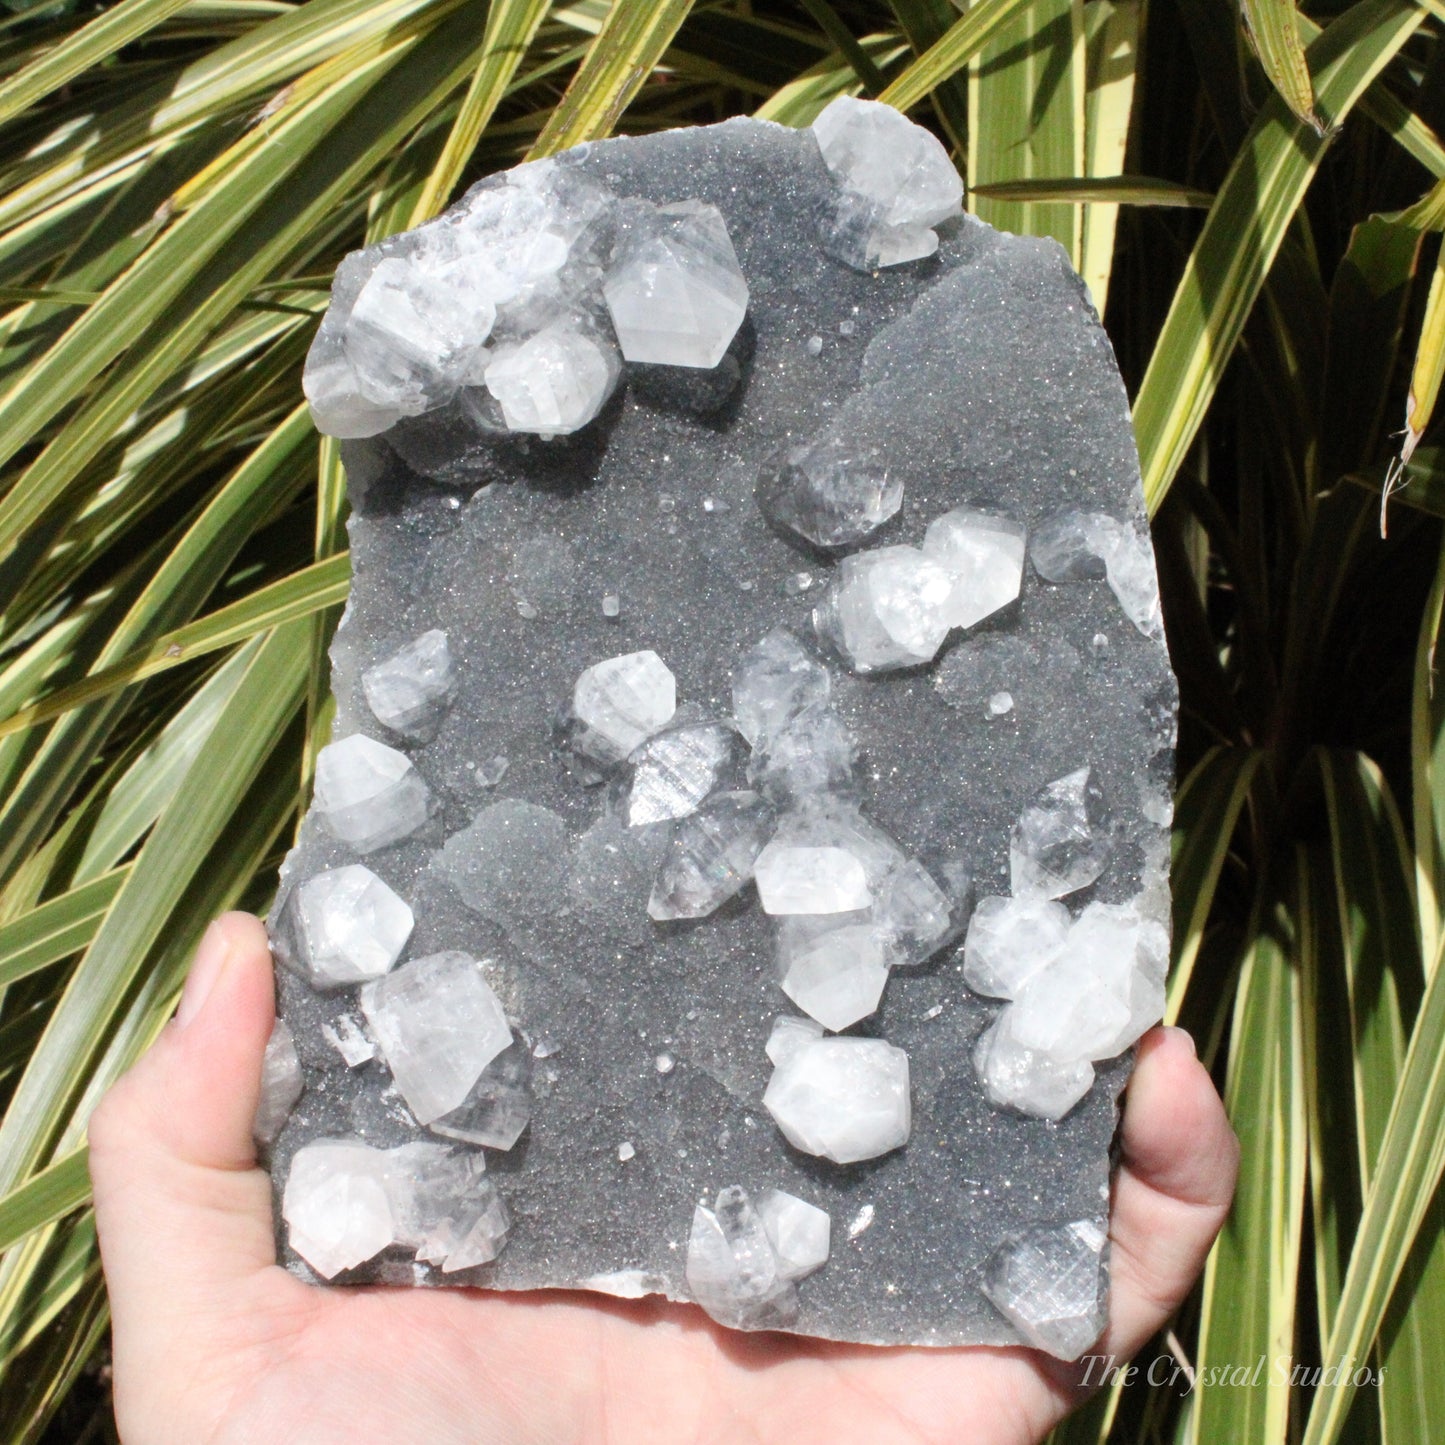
(1243, 233)
(1248, 1310)
(57, 928)
(632, 40)
(1114, 190)
(1207, 809)
(952, 52)
(49, 1195)
(1273, 27)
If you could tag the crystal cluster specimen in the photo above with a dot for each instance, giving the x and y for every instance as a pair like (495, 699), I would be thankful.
(896, 182)
(744, 1261)
(750, 573)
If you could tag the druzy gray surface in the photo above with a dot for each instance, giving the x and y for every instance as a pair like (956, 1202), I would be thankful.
(977, 378)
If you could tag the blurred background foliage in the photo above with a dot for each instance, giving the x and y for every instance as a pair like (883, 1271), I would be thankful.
(1255, 197)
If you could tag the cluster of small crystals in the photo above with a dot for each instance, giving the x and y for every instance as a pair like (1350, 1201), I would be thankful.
(895, 184)
(1080, 989)
(435, 1022)
(520, 305)
(744, 1259)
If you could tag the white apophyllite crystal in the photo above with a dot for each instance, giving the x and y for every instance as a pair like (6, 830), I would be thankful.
(499, 1106)
(347, 926)
(800, 879)
(554, 382)
(1049, 1284)
(1097, 989)
(798, 1231)
(675, 770)
(984, 553)
(280, 1084)
(1075, 546)
(1062, 840)
(844, 1099)
(774, 682)
(345, 1202)
(790, 1032)
(675, 291)
(1025, 1079)
(367, 794)
(619, 703)
(1102, 992)
(439, 1025)
(835, 974)
(831, 492)
(898, 183)
(1011, 939)
(887, 609)
(415, 330)
(710, 856)
(812, 754)
(913, 914)
(733, 1271)
(336, 1205)
(444, 1206)
(409, 690)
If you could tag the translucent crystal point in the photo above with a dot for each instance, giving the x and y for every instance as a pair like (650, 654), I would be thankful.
(1033, 1082)
(1070, 546)
(1010, 940)
(1102, 991)
(343, 926)
(446, 1209)
(439, 1025)
(675, 770)
(333, 389)
(367, 794)
(798, 1231)
(675, 291)
(788, 1033)
(1075, 546)
(831, 492)
(834, 974)
(1063, 839)
(409, 691)
(773, 683)
(710, 856)
(620, 703)
(472, 1235)
(499, 1106)
(280, 1084)
(886, 609)
(984, 553)
(415, 329)
(554, 382)
(899, 179)
(801, 879)
(812, 753)
(510, 863)
(732, 1269)
(915, 914)
(844, 1099)
(1049, 1284)
(336, 1205)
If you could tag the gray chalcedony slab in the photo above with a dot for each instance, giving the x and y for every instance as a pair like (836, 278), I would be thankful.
(980, 377)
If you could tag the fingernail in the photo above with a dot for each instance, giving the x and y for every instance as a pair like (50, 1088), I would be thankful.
(205, 970)
(1185, 1035)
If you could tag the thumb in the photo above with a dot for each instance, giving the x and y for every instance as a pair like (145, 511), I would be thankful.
(182, 1211)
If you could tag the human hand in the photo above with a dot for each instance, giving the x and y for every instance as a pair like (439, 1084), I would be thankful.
(214, 1342)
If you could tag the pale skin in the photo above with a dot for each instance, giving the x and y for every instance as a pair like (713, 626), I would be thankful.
(214, 1342)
